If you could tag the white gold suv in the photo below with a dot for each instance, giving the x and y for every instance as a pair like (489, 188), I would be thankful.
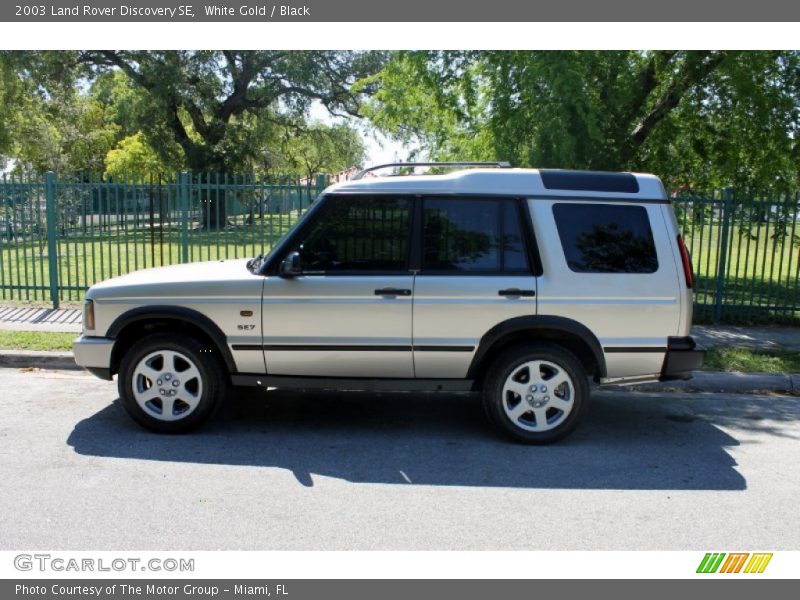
(525, 285)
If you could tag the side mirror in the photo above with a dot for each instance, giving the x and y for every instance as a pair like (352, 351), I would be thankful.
(291, 266)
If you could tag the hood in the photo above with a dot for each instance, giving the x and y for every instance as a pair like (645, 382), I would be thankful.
(176, 280)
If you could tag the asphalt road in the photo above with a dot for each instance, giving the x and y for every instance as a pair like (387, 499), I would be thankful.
(360, 471)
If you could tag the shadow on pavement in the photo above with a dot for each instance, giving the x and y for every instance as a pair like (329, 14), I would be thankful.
(443, 440)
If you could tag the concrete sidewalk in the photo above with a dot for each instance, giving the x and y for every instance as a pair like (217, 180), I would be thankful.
(31, 318)
(758, 338)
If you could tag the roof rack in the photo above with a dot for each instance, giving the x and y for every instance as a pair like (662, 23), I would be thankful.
(496, 164)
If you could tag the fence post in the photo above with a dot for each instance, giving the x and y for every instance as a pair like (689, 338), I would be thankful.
(722, 259)
(320, 183)
(183, 192)
(51, 223)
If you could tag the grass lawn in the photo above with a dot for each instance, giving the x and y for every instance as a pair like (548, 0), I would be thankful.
(748, 360)
(86, 258)
(762, 275)
(36, 340)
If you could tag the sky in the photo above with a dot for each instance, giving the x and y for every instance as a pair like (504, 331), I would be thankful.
(380, 149)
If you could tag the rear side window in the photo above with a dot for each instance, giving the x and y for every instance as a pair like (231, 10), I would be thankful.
(472, 235)
(606, 238)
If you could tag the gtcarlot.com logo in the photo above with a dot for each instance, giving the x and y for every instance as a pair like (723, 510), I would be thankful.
(734, 562)
(48, 562)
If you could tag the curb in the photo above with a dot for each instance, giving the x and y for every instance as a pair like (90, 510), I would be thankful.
(726, 382)
(26, 359)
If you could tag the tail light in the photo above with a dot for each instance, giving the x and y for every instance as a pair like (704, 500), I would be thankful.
(687, 262)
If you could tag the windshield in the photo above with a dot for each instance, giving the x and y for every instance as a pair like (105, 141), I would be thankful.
(255, 264)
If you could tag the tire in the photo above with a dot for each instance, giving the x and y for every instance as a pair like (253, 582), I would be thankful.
(170, 398)
(542, 415)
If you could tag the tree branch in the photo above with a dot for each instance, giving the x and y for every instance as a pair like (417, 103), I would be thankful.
(692, 73)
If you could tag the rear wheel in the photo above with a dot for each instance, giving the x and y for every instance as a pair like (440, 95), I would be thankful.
(167, 383)
(536, 394)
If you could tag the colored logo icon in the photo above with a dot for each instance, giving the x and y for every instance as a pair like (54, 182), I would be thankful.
(734, 562)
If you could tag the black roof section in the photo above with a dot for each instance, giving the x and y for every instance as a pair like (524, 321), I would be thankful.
(589, 181)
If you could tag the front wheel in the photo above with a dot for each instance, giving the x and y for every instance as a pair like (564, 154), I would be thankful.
(536, 394)
(168, 384)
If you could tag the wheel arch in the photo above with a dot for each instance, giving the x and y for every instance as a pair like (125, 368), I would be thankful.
(131, 325)
(568, 333)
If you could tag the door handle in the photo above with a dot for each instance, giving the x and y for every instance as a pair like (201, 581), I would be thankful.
(516, 292)
(392, 292)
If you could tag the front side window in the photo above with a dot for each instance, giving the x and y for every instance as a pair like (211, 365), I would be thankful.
(606, 238)
(472, 235)
(358, 234)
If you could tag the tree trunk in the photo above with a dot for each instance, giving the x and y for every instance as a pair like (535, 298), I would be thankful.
(213, 208)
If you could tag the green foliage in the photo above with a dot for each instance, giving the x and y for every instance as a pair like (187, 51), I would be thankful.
(323, 149)
(220, 108)
(65, 133)
(228, 111)
(11, 97)
(133, 159)
(755, 361)
(712, 118)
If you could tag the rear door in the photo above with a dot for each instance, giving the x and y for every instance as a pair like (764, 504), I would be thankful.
(610, 266)
(475, 271)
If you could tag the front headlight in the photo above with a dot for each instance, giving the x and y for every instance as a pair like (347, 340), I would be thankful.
(88, 315)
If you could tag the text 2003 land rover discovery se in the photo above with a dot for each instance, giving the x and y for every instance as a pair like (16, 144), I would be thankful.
(526, 285)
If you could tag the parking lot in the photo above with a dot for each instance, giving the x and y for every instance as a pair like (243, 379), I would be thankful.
(394, 471)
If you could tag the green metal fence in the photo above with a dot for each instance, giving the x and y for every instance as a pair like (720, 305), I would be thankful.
(59, 236)
(745, 249)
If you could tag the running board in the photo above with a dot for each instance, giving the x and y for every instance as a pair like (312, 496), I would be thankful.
(629, 380)
(352, 385)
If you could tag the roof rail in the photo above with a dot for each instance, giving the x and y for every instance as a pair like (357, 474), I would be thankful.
(496, 164)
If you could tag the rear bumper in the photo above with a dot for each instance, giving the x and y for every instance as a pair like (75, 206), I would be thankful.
(682, 357)
(94, 355)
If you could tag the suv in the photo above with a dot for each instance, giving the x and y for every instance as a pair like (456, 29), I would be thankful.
(525, 285)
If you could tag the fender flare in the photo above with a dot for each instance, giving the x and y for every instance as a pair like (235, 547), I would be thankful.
(176, 313)
(532, 323)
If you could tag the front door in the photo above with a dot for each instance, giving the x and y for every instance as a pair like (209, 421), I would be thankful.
(349, 313)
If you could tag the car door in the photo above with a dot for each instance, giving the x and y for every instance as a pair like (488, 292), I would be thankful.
(348, 314)
(610, 266)
(476, 271)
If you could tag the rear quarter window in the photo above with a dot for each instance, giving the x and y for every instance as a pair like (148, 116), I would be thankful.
(606, 238)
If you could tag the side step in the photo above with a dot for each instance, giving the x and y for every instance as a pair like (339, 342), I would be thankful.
(288, 382)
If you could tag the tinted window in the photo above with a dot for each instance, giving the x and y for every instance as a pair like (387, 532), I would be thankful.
(513, 247)
(605, 238)
(472, 235)
(358, 233)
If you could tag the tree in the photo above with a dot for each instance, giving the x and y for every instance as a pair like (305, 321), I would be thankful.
(324, 149)
(11, 98)
(217, 107)
(689, 114)
(64, 134)
(134, 159)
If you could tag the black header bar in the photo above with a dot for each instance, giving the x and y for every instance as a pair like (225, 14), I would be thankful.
(405, 11)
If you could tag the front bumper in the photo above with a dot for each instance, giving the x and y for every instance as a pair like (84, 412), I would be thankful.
(682, 357)
(94, 355)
